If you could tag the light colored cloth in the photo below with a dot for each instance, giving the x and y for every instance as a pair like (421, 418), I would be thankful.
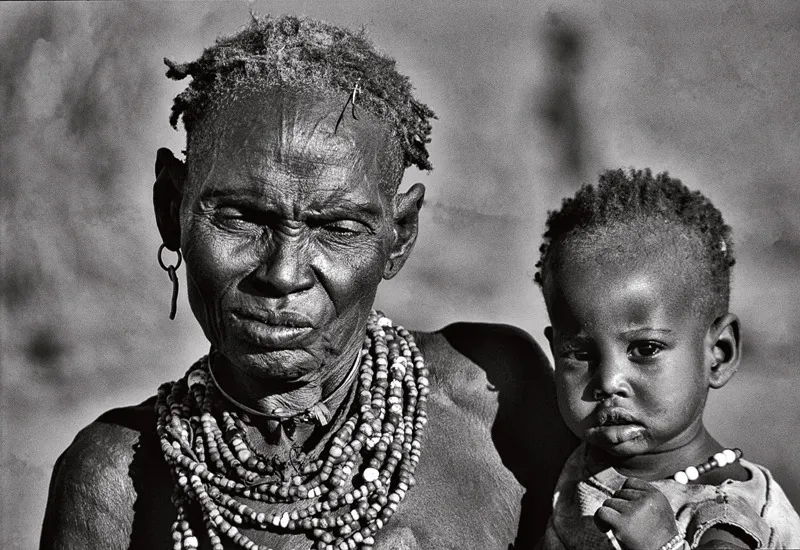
(758, 507)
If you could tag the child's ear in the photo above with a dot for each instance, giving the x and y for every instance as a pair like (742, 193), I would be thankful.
(726, 349)
(548, 333)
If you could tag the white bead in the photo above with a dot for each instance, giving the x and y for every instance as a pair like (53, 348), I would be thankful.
(196, 377)
(721, 459)
(384, 322)
(370, 474)
(692, 473)
(681, 478)
(190, 542)
(730, 455)
(284, 519)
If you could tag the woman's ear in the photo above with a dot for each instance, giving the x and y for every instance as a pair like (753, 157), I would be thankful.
(406, 226)
(167, 194)
(725, 349)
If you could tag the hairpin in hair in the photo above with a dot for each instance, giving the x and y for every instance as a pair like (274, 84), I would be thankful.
(351, 100)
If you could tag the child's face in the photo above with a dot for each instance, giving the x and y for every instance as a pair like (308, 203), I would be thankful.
(632, 355)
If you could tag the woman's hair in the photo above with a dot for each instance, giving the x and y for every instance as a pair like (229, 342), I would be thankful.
(626, 197)
(308, 55)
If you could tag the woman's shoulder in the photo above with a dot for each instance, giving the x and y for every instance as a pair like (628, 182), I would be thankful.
(110, 441)
(91, 495)
(484, 359)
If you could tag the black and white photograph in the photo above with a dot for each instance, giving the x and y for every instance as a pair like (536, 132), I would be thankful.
(294, 275)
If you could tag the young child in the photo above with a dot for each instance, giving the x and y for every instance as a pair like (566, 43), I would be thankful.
(636, 278)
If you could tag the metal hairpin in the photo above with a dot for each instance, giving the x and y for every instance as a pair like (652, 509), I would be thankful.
(351, 100)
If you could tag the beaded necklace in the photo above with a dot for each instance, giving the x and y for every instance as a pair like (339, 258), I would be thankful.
(719, 460)
(335, 505)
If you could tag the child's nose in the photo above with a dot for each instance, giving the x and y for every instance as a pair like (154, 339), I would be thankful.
(611, 378)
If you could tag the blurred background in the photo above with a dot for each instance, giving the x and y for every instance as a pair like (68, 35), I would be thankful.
(533, 98)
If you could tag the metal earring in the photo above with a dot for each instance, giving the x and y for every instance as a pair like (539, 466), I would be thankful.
(172, 277)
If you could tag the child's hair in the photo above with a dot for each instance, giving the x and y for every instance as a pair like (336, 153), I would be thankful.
(623, 197)
(304, 54)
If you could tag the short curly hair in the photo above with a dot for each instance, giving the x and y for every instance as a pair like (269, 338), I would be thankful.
(307, 54)
(624, 197)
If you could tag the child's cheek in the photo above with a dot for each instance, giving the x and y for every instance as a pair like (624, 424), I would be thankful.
(574, 409)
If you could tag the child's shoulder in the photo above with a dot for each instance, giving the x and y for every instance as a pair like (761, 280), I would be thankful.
(756, 505)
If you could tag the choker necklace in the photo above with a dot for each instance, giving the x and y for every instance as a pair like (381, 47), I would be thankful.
(719, 460)
(340, 500)
(319, 413)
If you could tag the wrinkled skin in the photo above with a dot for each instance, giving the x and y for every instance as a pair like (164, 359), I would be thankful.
(287, 227)
(635, 358)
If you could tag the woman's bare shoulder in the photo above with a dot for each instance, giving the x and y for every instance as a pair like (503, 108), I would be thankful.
(499, 376)
(482, 359)
(92, 494)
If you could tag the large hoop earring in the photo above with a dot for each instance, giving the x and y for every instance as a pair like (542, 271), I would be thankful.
(170, 269)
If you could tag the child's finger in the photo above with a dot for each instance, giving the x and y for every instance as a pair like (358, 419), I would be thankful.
(619, 505)
(607, 518)
(628, 494)
(638, 484)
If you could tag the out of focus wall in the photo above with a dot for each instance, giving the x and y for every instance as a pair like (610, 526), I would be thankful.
(533, 98)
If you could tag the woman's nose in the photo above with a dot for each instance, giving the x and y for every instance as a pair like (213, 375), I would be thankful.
(285, 268)
(611, 378)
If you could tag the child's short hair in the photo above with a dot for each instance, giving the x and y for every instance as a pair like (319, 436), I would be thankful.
(623, 197)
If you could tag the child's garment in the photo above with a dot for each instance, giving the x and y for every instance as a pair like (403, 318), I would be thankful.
(757, 506)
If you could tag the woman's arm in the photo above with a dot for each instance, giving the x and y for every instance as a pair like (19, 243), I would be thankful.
(90, 502)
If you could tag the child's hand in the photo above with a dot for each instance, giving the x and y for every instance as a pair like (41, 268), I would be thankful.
(639, 515)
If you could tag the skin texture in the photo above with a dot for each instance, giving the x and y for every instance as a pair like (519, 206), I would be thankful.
(634, 361)
(287, 225)
(491, 456)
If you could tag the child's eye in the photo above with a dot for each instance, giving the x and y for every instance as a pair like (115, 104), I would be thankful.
(580, 355)
(644, 350)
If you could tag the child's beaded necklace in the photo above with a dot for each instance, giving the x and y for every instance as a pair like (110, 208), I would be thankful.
(719, 460)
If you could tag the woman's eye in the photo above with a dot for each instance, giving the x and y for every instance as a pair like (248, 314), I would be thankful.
(645, 349)
(234, 217)
(345, 227)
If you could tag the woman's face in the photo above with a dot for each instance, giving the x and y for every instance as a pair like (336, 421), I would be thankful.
(286, 228)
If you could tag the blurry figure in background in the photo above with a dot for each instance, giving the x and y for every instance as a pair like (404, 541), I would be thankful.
(314, 421)
(636, 277)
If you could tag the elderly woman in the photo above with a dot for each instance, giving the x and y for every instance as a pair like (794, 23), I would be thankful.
(314, 421)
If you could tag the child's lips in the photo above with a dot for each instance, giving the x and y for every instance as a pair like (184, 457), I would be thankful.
(614, 426)
(614, 434)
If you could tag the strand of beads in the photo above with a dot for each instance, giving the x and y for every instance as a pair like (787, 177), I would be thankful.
(338, 507)
(719, 460)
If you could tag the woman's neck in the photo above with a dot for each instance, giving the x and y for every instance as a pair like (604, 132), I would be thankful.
(282, 414)
(658, 465)
(282, 398)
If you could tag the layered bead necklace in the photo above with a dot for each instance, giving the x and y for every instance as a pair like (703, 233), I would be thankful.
(341, 499)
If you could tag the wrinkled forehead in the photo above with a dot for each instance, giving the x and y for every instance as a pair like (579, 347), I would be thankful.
(306, 134)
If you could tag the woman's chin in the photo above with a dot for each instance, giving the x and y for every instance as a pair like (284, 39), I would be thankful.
(279, 364)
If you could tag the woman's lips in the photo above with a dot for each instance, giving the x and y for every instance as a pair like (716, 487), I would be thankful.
(278, 330)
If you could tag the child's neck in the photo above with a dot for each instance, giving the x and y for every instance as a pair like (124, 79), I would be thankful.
(660, 465)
